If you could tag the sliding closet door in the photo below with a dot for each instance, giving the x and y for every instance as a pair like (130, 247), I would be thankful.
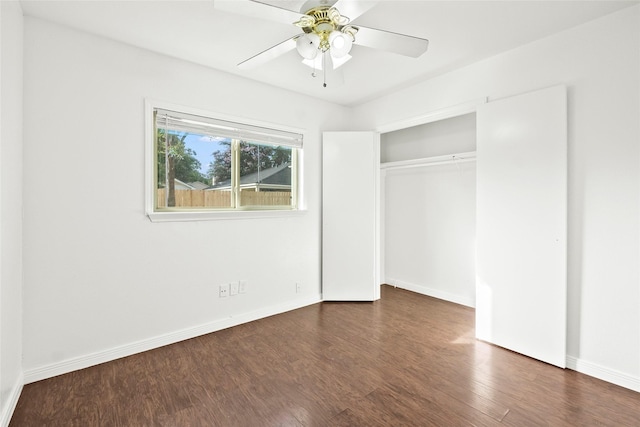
(350, 204)
(522, 224)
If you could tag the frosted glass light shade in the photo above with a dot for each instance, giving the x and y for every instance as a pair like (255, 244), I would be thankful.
(340, 44)
(339, 61)
(332, 61)
(315, 63)
(307, 45)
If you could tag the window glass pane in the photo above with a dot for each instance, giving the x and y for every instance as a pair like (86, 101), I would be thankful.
(188, 164)
(203, 164)
(219, 194)
(265, 173)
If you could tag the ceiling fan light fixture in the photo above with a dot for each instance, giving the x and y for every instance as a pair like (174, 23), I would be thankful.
(351, 31)
(340, 44)
(335, 16)
(305, 21)
(333, 61)
(307, 45)
(315, 63)
(339, 61)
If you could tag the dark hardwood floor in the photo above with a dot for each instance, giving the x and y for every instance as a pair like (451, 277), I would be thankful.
(406, 360)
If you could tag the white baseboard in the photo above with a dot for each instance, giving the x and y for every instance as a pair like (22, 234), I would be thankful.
(593, 370)
(436, 293)
(7, 411)
(66, 366)
(603, 373)
(81, 362)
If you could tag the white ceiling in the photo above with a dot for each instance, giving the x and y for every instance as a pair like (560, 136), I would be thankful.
(460, 32)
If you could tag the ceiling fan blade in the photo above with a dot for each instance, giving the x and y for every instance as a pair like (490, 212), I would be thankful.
(391, 42)
(269, 54)
(353, 9)
(258, 9)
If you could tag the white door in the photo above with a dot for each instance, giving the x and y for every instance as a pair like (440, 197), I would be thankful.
(350, 205)
(522, 224)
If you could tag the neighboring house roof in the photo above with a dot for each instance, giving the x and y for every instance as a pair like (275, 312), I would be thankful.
(279, 176)
(197, 185)
(179, 185)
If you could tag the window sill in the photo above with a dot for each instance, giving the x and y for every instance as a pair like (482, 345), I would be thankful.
(173, 216)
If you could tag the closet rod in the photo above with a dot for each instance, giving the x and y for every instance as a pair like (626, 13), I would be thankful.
(430, 161)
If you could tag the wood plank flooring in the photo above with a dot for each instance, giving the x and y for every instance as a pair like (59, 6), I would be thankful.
(406, 360)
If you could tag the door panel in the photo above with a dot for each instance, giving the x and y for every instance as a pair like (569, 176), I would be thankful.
(522, 224)
(350, 216)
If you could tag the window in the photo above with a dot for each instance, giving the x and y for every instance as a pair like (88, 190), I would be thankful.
(205, 165)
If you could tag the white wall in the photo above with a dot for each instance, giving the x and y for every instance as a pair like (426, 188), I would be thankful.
(100, 279)
(11, 26)
(429, 211)
(430, 231)
(600, 63)
(439, 138)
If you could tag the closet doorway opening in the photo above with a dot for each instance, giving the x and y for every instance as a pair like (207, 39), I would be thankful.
(428, 208)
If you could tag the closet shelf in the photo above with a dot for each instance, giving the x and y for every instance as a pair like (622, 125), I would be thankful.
(468, 156)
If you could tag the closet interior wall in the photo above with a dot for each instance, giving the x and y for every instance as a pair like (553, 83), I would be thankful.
(428, 208)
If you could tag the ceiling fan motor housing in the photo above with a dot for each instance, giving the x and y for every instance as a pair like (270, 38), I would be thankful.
(324, 21)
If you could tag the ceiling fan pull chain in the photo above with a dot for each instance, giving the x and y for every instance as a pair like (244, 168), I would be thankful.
(324, 69)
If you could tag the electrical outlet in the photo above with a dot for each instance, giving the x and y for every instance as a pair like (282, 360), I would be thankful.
(233, 289)
(224, 290)
(242, 286)
(298, 288)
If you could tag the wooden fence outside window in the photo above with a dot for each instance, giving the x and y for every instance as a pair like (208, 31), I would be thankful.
(222, 199)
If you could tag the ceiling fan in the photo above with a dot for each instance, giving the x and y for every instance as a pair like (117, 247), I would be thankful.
(328, 33)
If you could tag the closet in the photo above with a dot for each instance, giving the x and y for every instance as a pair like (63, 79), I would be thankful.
(428, 180)
(407, 205)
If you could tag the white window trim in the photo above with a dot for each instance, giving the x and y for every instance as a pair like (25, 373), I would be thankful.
(212, 215)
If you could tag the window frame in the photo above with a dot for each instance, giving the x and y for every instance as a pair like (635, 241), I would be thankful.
(203, 214)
